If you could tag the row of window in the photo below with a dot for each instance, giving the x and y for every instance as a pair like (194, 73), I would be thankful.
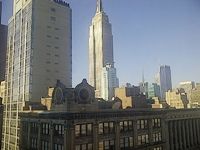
(45, 145)
(104, 127)
(126, 126)
(87, 146)
(126, 142)
(107, 145)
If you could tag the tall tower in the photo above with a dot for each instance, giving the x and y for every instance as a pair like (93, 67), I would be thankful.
(100, 47)
(165, 80)
(39, 52)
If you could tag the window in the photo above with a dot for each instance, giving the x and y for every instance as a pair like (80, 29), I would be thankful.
(34, 128)
(34, 143)
(157, 148)
(45, 128)
(53, 18)
(53, 9)
(87, 146)
(156, 123)
(126, 143)
(44, 145)
(83, 130)
(106, 127)
(126, 126)
(58, 130)
(157, 137)
(142, 124)
(107, 145)
(143, 139)
(58, 146)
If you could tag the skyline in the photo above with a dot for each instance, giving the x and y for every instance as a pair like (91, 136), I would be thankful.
(161, 29)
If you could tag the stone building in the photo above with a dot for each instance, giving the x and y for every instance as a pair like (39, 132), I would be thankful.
(143, 129)
(75, 122)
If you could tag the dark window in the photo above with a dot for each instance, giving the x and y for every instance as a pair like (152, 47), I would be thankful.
(34, 127)
(143, 139)
(126, 143)
(83, 130)
(45, 128)
(157, 137)
(53, 9)
(106, 127)
(87, 146)
(53, 18)
(44, 145)
(126, 126)
(156, 123)
(58, 130)
(34, 143)
(107, 145)
(58, 146)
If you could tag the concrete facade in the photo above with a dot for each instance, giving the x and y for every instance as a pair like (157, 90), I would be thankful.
(39, 52)
(131, 97)
(100, 48)
(177, 98)
(111, 130)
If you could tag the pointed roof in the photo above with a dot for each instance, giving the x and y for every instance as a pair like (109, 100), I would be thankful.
(99, 6)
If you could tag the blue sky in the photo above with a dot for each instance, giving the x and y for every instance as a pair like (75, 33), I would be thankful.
(147, 33)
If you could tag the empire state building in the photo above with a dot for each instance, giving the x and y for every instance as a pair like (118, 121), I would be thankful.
(100, 48)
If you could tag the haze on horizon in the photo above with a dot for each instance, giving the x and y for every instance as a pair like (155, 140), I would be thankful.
(146, 35)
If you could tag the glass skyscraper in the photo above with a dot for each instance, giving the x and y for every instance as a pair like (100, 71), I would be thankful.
(165, 80)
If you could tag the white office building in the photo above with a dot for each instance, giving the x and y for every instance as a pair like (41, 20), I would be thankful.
(109, 82)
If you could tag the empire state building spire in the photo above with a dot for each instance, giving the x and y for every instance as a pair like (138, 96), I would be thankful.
(99, 6)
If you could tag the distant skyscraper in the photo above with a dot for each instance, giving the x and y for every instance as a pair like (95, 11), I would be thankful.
(100, 47)
(143, 86)
(39, 52)
(3, 45)
(109, 82)
(165, 80)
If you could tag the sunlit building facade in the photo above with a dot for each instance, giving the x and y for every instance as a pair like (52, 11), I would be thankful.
(39, 36)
